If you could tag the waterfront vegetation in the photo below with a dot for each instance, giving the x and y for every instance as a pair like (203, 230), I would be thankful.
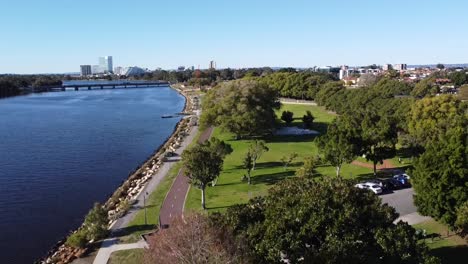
(11, 85)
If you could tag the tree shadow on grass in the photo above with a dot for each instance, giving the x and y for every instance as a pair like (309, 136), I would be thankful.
(454, 254)
(271, 178)
(125, 231)
(290, 138)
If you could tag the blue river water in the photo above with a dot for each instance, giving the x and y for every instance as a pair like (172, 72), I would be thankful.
(62, 151)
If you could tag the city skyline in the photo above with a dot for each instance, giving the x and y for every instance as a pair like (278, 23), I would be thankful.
(53, 37)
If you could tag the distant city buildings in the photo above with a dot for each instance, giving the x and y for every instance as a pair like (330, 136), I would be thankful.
(387, 67)
(212, 65)
(85, 70)
(133, 71)
(106, 64)
(181, 68)
(118, 70)
(400, 67)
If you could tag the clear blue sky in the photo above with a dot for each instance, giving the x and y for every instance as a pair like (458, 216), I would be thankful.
(58, 36)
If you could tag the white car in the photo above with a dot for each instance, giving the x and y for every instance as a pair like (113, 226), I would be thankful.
(370, 186)
(404, 175)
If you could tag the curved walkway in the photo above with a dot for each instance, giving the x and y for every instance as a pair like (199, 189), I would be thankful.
(174, 202)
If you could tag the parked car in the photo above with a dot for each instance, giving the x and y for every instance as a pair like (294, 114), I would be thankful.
(393, 184)
(404, 175)
(370, 186)
(403, 180)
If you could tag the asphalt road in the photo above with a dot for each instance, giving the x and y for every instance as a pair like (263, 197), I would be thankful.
(401, 200)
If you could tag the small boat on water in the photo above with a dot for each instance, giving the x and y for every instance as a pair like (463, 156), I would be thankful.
(168, 116)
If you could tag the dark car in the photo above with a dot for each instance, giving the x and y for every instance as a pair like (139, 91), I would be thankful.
(393, 184)
(403, 181)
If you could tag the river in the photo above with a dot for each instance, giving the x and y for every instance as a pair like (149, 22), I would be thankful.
(62, 151)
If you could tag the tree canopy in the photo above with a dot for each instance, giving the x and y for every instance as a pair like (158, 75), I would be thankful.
(245, 108)
(323, 221)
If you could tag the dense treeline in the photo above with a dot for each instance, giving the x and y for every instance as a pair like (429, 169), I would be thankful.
(11, 85)
(300, 85)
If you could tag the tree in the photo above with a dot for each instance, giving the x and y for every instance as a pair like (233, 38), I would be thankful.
(440, 176)
(341, 143)
(303, 220)
(96, 223)
(308, 168)
(458, 78)
(308, 119)
(203, 163)
(256, 149)
(248, 164)
(287, 159)
(461, 224)
(430, 118)
(424, 87)
(287, 117)
(379, 137)
(440, 66)
(193, 239)
(244, 108)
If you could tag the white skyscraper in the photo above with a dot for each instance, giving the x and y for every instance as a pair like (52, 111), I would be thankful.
(105, 63)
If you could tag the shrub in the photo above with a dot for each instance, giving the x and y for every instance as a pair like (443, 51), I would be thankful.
(287, 117)
(77, 239)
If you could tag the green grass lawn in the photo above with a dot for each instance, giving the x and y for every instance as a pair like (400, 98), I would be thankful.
(130, 256)
(450, 249)
(231, 190)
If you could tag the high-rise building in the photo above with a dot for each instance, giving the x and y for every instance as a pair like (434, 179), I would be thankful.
(387, 67)
(212, 65)
(85, 70)
(400, 67)
(105, 63)
(95, 69)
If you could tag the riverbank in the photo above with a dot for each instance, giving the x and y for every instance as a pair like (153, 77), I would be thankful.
(126, 194)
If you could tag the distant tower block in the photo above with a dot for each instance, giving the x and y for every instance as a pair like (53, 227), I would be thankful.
(212, 65)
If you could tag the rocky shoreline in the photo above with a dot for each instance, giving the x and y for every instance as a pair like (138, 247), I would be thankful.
(117, 204)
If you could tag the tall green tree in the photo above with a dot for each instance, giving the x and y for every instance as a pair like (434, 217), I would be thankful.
(256, 149)
(431, 118)
(203, 163)
(379, 137)
(341, 143)
(244, 108)
(303, 220)
(440, 176)
(248, 164)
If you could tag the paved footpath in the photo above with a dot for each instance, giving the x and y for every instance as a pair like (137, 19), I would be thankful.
(174, 203)
(109, 245)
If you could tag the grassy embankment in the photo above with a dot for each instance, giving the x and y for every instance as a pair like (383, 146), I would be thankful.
(231, 190)
(450, 249)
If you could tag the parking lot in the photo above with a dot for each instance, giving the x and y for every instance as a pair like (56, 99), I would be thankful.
(401, 200)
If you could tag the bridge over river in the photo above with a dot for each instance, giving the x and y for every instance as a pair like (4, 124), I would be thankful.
(100, 85)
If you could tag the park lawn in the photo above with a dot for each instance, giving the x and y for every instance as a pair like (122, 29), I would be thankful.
(450, 249)
(230, 190)
(129, 256)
